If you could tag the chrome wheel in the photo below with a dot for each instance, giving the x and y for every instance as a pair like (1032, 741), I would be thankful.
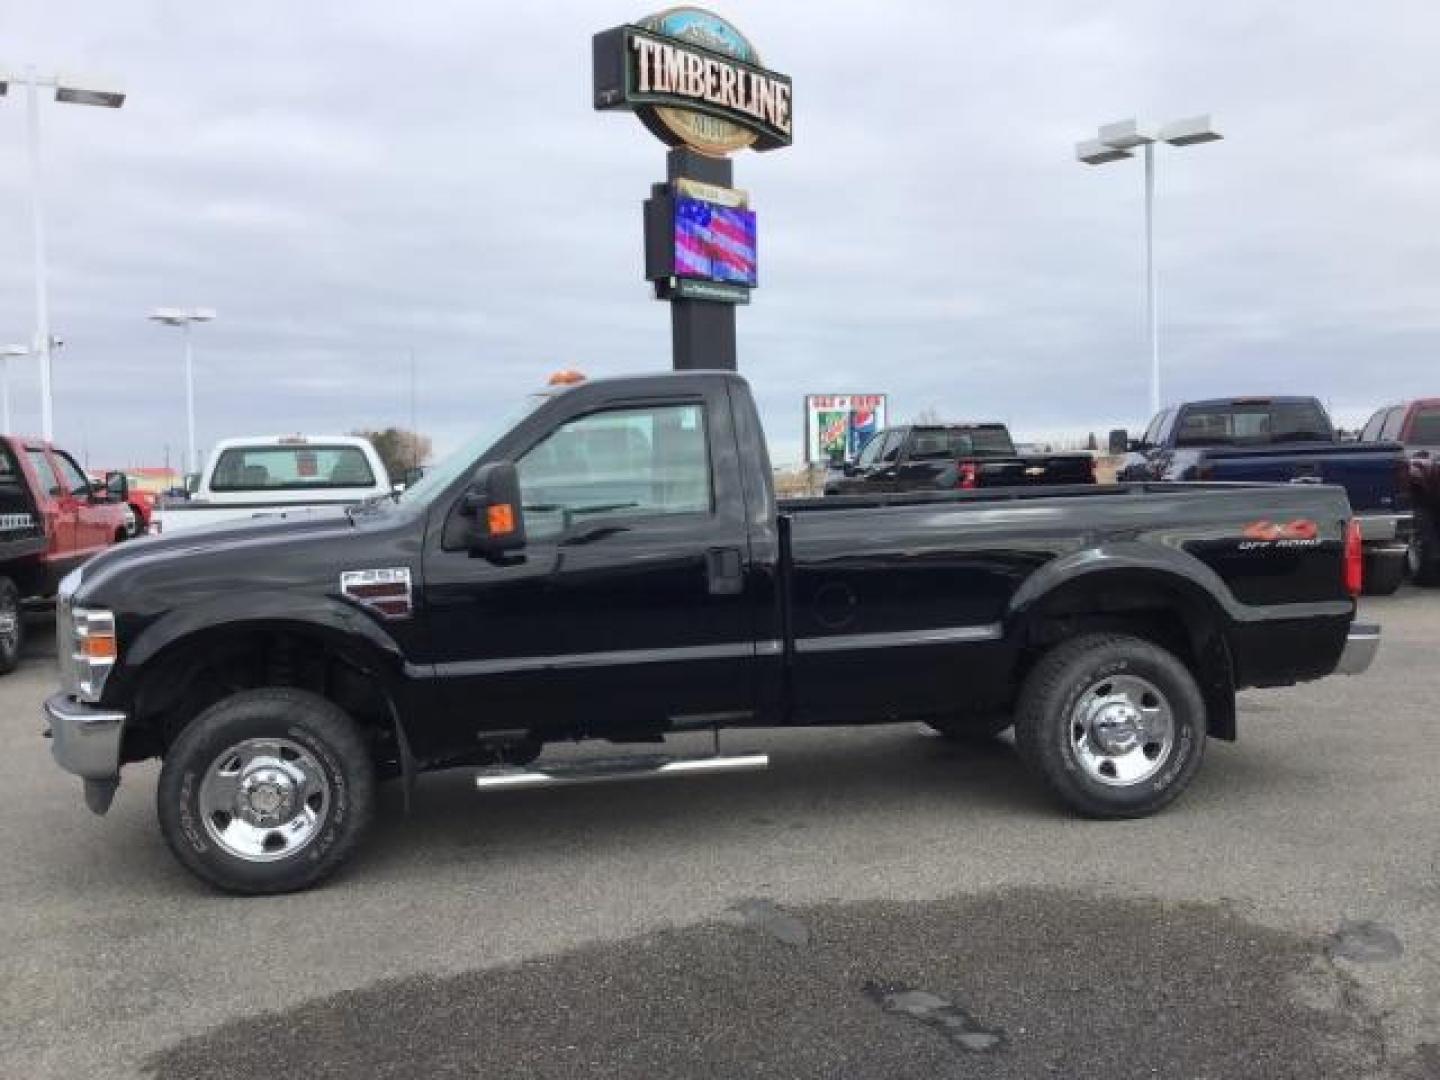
(9, 625)
(1122, 730)
(264, 799)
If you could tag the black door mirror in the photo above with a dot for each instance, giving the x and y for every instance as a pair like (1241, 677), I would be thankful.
(117, 487)
(491, 506)
(1135, 446)
(1119, 442)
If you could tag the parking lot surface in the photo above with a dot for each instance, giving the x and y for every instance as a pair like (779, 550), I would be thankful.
(878, 903)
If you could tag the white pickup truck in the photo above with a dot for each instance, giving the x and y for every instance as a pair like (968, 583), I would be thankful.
(267, 476)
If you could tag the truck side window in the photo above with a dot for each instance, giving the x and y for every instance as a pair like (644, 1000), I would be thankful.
(623, 462)
(1393, 423)
(40, 462)
(1152, 433)
(72, 477)
(1371, 431)
(893, 442)
(1425, 427)
(872, 449)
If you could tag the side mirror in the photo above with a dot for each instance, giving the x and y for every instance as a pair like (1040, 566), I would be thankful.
(1118, 442)
(1421, 455)
(412, 475)
(492, 507)
(1135, 446)
(117, 487)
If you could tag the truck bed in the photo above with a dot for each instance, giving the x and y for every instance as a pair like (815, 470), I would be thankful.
(1367, 471)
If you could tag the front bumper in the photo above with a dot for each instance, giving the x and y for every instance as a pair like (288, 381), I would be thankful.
(84, 739)
(1361, 645)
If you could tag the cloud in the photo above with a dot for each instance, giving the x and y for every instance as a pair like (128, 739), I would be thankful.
(351, 183)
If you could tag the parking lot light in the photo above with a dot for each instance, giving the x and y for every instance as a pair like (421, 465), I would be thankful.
(69, 90)
(183, 318)
(1118, 141)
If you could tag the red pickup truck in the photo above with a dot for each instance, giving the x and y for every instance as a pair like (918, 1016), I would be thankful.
(1416, 425)
(51, 520)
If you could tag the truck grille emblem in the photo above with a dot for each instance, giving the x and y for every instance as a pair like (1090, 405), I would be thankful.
(385, 592)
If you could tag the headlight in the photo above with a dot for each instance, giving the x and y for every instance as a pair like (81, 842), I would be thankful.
(93, 649)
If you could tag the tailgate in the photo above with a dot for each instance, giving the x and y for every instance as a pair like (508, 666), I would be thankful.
(1369, 473)
(1038, 469)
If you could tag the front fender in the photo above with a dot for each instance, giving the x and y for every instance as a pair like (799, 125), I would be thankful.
(352, 631)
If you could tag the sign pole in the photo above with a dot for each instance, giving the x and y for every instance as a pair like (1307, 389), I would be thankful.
(702, 332)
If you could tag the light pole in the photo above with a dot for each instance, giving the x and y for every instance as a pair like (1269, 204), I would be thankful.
(6, 352)
(68, 91)
(1117, 142)
(183, 317)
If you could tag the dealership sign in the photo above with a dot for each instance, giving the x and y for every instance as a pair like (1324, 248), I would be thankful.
(841, 424)
(694, 80)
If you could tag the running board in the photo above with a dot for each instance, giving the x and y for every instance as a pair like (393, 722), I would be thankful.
(609, 770)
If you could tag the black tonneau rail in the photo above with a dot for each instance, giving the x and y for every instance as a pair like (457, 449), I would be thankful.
(1011, 494)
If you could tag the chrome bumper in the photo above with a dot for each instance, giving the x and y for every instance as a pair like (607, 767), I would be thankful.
(85, 740)
(1380, 528)
(1361, 645)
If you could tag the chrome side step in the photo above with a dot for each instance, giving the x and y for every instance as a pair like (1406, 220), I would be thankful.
(610, 770)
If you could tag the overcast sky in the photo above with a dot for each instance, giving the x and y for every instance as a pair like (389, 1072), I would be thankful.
(350, 181)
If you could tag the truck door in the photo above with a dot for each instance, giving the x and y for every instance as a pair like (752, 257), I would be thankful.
(56, 503)
(629, 607)
(92, 520)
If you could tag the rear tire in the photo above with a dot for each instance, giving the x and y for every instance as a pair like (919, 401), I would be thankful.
(1115, 725)
(1383, 574)
(267, 791)
(12, 626)
(1424, 553)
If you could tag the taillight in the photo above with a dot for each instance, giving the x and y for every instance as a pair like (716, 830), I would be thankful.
(968, 476)
(1354, 559)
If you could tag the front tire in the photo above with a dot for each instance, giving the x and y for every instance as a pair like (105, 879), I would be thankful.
(267, 791)
(1114, 724)
(12, 626)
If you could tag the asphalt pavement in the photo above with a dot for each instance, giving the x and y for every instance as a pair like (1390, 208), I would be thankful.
(878, 903)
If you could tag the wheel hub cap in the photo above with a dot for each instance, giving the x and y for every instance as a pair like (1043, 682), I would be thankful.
(1117, 728)
(1122, 730)
(264, 799)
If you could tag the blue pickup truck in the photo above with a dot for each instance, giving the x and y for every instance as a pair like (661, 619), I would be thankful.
(1285, 440)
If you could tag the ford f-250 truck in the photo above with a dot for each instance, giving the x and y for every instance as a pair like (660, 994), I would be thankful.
(931, 457)
(616, 566)
(1285, 440)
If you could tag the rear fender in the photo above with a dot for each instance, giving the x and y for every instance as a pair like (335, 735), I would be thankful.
(1204, 605)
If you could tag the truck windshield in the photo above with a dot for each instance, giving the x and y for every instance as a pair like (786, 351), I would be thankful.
(1252, 423)
(291, 468)
(441, 476)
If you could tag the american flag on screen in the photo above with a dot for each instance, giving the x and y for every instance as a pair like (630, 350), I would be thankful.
(714, 242)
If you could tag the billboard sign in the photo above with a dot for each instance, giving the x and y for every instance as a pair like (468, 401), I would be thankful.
(694, 80)
(841, 423)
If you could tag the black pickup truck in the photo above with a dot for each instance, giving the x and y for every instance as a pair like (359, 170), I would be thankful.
(1287, 440)
(616, 566)
(935, 457)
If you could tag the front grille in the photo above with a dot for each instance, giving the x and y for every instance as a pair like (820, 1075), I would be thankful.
(65, 635)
